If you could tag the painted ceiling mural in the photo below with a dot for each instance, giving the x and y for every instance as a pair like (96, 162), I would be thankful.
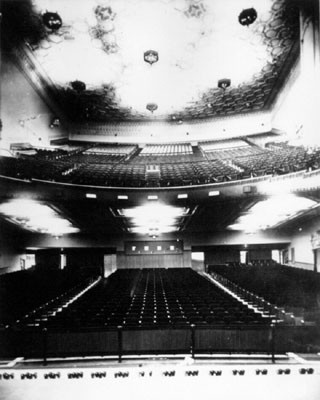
(112, 60)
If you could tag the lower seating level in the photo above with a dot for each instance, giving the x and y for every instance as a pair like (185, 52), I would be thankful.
(281, 285)
(150, 298)
(148, 311)
(22, 292)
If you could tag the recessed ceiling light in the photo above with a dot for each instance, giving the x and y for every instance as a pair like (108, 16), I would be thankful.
(153, 218)
(269, 213)
(182, 196)
(91, 196)
(122, 197)
(36, 217)
(152, 197)
(213, 193)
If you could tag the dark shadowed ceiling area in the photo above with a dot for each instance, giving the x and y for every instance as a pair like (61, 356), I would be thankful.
(45, 208)
(107, 60)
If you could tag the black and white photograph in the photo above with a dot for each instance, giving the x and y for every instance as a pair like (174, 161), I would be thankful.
(160, 199)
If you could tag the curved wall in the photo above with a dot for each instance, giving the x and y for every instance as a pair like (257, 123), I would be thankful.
(165, 131)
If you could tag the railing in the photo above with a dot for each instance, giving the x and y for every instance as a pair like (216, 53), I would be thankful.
(123, 341)
(119, 342)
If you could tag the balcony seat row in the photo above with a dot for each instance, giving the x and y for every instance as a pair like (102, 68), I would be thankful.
(113, 170)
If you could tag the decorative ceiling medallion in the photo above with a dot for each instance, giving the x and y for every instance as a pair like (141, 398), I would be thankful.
(151, 56)
(248, 16)
(104, 13)
(110, 47)
(224, 83)
(195, 10)
(103, 39)
(78, 86)
(101, 32)
(52, 20)
(152, 107)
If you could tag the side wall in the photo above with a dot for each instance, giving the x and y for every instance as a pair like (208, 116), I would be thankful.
(302, 255)
(11, 248)
(164, 132)
(9, 260)
(25, 116)
(221, 256)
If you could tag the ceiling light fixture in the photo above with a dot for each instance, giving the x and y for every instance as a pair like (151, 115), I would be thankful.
(153, 218)
(213, 193)
(78, 86)
(36, 217)
(152, 107)
(247, 16)
(91, 196)
(52, 20)
(271, 212)
(151, 56)
(224, 83)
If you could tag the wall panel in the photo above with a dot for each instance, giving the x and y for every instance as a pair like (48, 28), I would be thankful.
(153, 261)
(221, 256)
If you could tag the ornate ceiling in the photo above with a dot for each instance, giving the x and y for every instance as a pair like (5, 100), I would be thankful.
(111, 60)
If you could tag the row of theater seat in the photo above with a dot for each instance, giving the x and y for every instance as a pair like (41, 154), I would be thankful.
(109, 170)
(149, 298)
(282, 160)
(234, 153)
(280, 285)
(167, 149)
(86, 158)
(112, 149)
(23, 291)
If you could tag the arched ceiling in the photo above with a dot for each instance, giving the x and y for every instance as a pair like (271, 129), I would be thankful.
(102, 44)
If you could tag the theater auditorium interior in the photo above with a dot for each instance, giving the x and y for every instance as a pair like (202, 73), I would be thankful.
(160, 199)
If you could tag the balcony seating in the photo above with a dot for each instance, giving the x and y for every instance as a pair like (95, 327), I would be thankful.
(166, 154)
(111, 149)
(218, 145)
(166, 149)
(234, 153)
(81, 167)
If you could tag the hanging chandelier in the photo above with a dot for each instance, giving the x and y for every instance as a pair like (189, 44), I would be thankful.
(152, 107)
(247, 16)
(78, 86)
(52, 20)
(151, 56)
(224, 83)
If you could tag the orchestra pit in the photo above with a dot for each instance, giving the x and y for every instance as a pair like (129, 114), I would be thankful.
(160, 199)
